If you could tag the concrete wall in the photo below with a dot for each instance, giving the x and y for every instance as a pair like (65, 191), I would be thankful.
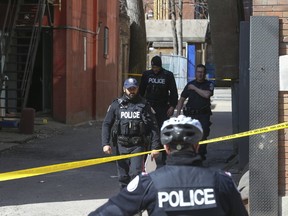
(161, 30)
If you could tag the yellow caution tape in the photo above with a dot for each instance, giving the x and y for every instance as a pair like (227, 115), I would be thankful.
(84, 163)
(248, 133)
(64, 166)
(130, 74)
(214, 79)
(227, 80)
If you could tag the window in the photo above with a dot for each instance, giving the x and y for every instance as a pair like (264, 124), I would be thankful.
(85, 53)
(106, 41)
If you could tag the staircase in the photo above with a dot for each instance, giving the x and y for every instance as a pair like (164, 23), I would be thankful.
(19, 42)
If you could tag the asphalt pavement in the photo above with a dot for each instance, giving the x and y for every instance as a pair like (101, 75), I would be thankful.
(45, 128)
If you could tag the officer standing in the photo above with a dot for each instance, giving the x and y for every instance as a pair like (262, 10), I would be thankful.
(158, 86)
(182, 186)
(198, 92)
(128, 121)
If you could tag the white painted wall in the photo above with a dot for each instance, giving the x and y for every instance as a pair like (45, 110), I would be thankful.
(283, 76)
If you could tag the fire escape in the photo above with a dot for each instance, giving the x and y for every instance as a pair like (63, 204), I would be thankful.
(19, 41)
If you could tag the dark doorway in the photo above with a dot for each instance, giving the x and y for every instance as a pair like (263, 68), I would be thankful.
(40, 93)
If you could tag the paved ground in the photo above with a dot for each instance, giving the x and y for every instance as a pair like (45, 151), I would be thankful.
(45, 127)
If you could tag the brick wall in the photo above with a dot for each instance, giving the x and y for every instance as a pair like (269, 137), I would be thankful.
(275, 8)
(283, 145)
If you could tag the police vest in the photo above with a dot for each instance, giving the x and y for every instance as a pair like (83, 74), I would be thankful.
(130, 118)
(157, 87)
(186, 190)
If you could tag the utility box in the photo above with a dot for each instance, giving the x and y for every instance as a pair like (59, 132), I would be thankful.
(26, 125)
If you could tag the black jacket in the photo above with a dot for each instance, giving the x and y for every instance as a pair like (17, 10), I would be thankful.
(182, 187)
(159, 88)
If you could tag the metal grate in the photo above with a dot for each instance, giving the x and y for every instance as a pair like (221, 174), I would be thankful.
(263, 106)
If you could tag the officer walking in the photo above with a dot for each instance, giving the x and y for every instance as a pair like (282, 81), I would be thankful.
(128, 121)
(158, 86)
(198, 92)
(182, 186)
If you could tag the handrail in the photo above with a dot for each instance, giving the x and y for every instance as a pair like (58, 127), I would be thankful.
(10, 26)
(5, 36)
(6, 30)
(32, 51)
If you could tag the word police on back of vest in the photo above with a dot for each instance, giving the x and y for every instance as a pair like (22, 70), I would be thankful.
(197, 198)
(156, 81)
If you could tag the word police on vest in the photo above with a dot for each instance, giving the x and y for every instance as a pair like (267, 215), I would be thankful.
(156, 81)
(196, 197)
(130, 115)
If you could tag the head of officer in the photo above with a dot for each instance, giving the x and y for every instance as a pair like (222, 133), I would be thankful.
(181, 134)
(156, 64)
(130, 88)
(200, 74)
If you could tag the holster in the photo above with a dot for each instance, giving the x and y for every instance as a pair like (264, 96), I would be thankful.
(114, 135)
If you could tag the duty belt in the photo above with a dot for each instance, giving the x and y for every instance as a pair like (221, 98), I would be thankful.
(130, 141)
(189, 111)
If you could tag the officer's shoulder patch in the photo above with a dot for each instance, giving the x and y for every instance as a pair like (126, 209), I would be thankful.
(225, 173)
(133, 184)
(108, 108)
(228, 174)
(211, 86)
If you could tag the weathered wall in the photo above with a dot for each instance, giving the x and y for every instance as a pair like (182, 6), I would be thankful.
(73, 61)
(107, 65)
(84, 79)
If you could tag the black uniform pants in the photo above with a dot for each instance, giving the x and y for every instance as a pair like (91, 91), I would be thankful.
(161, 116)
(204, 119)
(129, 168)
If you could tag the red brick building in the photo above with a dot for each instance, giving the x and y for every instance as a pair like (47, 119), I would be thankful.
(85, 59)
(75, 76)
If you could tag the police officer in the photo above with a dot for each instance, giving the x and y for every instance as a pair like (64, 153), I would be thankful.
(182, 186)
(198, 92)
(158, 86)
(132, 119)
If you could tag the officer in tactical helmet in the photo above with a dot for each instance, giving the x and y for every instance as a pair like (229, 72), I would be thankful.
(158, 86)
(128, 122)
(182, 186)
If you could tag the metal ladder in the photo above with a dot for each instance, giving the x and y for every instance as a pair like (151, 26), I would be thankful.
(19, 42)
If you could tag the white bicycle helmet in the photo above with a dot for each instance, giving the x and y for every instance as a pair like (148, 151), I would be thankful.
(181, 129)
